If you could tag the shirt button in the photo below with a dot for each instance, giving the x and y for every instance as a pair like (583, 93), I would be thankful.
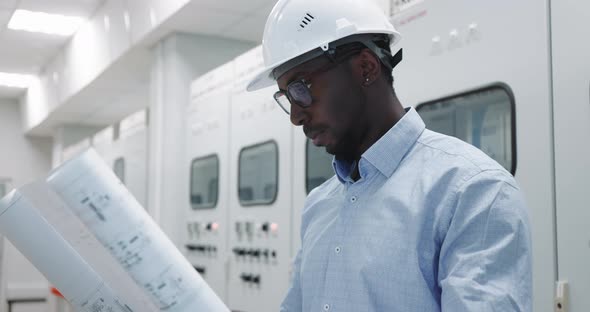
(353, 199)
(326, 307)
(337, 249)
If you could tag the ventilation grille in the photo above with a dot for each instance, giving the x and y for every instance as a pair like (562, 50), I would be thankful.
(307, 20)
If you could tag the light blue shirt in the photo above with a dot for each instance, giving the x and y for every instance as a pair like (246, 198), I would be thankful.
(433, 224)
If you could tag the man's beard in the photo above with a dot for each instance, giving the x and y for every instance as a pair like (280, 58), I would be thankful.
(349, 141)
(346, 145)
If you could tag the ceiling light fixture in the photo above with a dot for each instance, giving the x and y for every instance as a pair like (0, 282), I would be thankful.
(16, 80)
(53, 24)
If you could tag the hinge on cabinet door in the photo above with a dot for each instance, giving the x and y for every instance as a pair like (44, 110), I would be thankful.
(561, 297)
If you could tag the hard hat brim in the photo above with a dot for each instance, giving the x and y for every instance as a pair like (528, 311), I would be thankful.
(262, 80)
(265, 78)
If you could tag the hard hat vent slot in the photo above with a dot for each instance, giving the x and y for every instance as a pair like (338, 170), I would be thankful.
(306, 20)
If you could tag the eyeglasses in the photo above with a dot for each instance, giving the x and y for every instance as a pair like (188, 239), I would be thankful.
(299, 91)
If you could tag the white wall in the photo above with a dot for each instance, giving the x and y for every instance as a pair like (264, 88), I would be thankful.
(22, 160)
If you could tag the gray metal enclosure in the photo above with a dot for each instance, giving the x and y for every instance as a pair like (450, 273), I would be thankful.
(570, 30)
(457, 52)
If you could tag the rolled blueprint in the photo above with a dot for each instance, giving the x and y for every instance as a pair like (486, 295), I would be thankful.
(46, 249)
(69, 226)
(93, 192)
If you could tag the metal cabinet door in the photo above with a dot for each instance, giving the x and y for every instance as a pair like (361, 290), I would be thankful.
(207, 178)
(457, 45)
(570, 25)
(260, 194)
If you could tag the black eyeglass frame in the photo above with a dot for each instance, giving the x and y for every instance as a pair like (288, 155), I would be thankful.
(304, 84)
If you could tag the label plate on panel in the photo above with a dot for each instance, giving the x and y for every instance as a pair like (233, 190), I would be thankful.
(400, 6)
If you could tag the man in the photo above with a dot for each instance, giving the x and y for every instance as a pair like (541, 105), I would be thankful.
(413, 220)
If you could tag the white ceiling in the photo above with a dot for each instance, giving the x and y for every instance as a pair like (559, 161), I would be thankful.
(124, 88)
(25, 52)
(125, 85)
(236, 19)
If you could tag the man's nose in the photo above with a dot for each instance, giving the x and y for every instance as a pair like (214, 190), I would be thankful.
(298, 115)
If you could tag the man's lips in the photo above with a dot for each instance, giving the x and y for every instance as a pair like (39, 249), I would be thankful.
(312, 133)
(315, 135)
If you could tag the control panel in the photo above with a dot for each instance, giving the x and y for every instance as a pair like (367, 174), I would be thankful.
(202, 245)
(207, 162)
(260, 198)
(252, 247)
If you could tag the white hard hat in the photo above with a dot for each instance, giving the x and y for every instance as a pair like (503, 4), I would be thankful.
(296, 27)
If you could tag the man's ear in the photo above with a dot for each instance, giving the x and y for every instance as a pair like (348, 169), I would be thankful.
(367, 67)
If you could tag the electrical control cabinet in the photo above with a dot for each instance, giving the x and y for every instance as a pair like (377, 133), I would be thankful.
(207, 175)
(260, 194)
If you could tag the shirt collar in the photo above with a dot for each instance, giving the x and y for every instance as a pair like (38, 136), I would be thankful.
(387, 153)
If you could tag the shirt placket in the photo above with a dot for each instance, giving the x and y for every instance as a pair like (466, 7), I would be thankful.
(335, 285)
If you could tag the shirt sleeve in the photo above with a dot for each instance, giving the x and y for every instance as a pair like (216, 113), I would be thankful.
(485, 259)
(293, 301)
